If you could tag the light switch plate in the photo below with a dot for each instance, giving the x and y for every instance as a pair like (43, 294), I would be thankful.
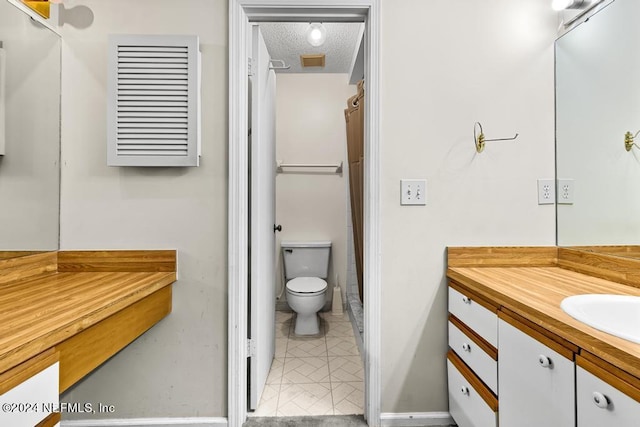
(413, 192)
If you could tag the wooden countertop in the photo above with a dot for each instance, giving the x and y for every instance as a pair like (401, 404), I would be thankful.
(536, 293)
(40, 311)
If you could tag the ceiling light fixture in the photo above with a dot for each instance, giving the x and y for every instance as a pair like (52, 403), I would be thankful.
(569, 4)
(316, 34)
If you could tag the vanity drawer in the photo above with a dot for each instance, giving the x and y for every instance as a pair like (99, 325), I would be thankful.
(600, 403)
(471, 404)
(472, 353)
(482, 320)
(29, 392)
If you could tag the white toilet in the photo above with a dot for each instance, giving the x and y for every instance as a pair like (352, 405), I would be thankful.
(306, 266)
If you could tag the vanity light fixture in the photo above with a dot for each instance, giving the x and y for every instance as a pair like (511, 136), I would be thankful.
(569, 4)
(316, 34)
(586, 7)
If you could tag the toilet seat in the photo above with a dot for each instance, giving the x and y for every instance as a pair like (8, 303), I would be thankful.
(306, 286)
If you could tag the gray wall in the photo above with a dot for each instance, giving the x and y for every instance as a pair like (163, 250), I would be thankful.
(179, 368)
(445, 64)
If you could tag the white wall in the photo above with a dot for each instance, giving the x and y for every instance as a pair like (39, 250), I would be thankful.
(179, 367)
(29, 177)
(445, 65)
(310, 128)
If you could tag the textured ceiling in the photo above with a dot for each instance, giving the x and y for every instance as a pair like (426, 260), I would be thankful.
(287, 41)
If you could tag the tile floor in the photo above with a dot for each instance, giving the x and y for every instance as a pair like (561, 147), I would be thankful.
(319, 375)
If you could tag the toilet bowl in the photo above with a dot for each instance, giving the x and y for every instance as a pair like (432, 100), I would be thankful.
(306, 265)
(306, 296)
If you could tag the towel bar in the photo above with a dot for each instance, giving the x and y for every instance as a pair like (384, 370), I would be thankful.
(280, 166)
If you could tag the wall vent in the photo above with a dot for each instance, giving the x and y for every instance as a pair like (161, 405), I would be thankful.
(312, 60)
(153, 111)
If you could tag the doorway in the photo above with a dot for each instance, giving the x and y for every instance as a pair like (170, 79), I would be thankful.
(242, 13)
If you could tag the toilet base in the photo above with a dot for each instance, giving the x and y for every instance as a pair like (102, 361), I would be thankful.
(307, 324)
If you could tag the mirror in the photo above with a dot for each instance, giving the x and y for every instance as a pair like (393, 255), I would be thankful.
(597, 102)
(30, 130)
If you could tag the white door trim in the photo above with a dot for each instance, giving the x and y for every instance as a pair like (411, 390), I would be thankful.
(239, 13)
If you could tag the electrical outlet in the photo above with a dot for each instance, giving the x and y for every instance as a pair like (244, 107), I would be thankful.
(546, 191)
(413, 191)
(565, 191)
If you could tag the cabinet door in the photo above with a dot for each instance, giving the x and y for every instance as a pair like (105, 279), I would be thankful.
(599, 404)
(31, 401)
(536, 384)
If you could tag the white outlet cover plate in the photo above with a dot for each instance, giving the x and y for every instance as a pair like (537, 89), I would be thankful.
(565, 191)
(546, 191)
(413, 192)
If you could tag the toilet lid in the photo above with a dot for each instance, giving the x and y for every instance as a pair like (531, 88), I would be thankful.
(307, 284)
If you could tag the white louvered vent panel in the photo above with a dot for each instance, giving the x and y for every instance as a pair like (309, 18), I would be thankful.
(153, 110)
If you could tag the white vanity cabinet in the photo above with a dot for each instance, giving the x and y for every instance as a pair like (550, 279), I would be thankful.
(600, 403)
(506, 324)
(472, 360)
(536, 382)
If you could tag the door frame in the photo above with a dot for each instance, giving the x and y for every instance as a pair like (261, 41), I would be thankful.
(240, 12)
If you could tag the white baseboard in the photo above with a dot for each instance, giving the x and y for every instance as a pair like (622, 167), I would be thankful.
(149, 422)
(416, 419)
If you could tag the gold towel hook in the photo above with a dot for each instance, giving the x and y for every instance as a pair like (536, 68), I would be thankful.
(480, 139)
(629, 140)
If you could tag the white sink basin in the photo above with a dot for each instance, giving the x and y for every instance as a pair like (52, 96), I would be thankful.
(617, 315)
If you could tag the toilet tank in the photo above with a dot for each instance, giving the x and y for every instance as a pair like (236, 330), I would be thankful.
(306, 259)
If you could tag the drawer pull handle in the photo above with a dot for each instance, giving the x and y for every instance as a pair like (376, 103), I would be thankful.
(600, 400)
(544, 361)
(466, 347)
(464, 390)
(466, 300)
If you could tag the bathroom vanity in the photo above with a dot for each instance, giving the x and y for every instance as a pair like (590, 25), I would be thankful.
(64, 313)
(517, 359)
